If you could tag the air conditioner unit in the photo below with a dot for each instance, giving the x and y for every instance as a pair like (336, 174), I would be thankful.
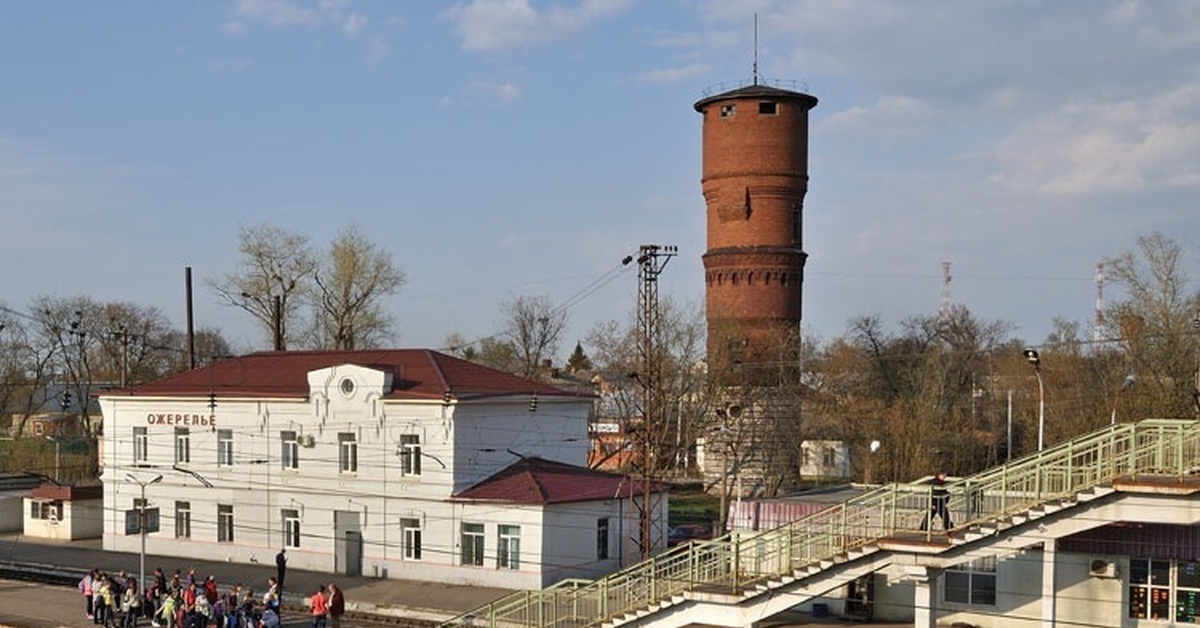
(1103, 569)
(308, 440)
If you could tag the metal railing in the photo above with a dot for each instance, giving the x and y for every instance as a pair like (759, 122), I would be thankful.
(730, 564)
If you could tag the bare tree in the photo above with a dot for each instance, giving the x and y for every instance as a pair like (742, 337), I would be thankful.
(25, 366)
(347, 292)
(533, 328)
(277, 269)
(679, 420)
(1158, 326)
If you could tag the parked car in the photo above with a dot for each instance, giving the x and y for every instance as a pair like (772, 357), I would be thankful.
(685, 532)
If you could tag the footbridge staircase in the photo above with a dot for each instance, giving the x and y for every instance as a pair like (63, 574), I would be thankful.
(742, 578)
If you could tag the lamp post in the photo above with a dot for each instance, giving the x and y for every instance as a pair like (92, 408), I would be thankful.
(142, 524)
(871, 449)
(57, 458)
(1031, 355)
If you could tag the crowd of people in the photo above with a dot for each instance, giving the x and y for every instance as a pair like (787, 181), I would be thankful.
(184, 601)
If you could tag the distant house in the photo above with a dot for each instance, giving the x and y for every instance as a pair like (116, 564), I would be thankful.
(65, 513)
(14, 488)
(403, 463)
(53, 425)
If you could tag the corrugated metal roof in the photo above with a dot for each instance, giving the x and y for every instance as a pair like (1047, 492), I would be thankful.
(416, 374)
(540, 481)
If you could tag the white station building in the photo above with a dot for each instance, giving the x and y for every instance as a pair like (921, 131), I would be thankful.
(400, 463)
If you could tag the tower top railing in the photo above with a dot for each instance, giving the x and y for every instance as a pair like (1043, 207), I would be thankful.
(728, 86)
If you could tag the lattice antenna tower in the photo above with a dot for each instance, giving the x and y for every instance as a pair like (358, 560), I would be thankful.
(944, 311)
(1098, 334)
(754, 70)
(652, 259)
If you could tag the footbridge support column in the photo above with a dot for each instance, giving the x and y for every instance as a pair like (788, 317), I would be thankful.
(924, 580)
(1049, 590)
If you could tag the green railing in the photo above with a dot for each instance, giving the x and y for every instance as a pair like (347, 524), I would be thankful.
(729, 564)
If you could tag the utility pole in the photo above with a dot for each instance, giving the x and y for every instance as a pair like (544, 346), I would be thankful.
(652, 259)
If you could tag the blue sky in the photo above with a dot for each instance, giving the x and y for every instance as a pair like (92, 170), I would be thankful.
(523, 147)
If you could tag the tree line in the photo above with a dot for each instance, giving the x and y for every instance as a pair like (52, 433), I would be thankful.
(948, 392)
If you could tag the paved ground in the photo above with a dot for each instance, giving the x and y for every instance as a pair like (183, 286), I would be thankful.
(28, 605)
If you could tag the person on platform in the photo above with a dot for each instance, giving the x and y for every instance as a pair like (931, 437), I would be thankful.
(86, 587)
(319, 605)
(939, 499)
(337, 606)
(281, 567)
(131, 603)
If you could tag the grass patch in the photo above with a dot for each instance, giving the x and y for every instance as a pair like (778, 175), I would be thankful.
(690, 504)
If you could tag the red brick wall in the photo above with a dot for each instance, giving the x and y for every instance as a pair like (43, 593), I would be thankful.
(755, 175)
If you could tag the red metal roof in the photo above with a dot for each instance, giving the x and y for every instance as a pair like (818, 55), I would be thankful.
(416, 374)
(540, 481)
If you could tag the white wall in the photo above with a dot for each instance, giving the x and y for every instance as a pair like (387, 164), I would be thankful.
(12, 511)
(471, 438)
(81, 519)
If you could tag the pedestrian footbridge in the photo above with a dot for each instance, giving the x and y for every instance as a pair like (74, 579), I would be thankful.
(744, 578)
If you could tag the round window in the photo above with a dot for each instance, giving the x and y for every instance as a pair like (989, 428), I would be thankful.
(347, 386)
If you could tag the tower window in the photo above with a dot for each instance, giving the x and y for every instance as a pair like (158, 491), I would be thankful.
(768, 108)
(727, 111)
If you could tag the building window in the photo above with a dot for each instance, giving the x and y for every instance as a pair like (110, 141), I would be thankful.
(1187, 591)
(829, 459)
(972, 582)
(291, 528)
(472, 544)
(410, 454)
(225, 448)
(347, 453)
(224, 523)
(140, 445)
(727, 111)
(412, 538)
(46, 509)
(508, 549)
(290, 452)
(183, 520)
(602, 538)
(183, 445)
(1161, 589)
(768, 108)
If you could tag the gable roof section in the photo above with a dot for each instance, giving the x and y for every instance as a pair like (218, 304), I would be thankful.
(540, 481)
(417, 374)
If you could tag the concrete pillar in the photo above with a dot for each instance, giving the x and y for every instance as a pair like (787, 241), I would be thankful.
(924, 581)
(1049, 588)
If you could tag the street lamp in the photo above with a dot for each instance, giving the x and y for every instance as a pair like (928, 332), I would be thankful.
(142, 523)
(1031, 355)
(57, 450)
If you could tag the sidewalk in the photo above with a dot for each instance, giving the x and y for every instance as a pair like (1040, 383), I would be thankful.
(410, 599)
(417, 602)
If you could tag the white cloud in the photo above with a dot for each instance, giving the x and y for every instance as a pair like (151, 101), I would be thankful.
(353, 23)
(889, 117)
(503, 25)
(672, 75)
(483, 93)
(289, 13)
(1103, 147)
(275, 13)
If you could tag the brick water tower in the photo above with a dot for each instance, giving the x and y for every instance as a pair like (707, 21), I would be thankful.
(755, 175)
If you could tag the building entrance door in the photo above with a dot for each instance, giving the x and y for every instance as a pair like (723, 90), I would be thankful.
(348, 543)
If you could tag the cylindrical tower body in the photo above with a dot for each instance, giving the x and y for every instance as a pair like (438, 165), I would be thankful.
(755, 175)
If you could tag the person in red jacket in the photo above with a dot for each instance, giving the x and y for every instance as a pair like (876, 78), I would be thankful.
(337, 606)
(320, 607)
